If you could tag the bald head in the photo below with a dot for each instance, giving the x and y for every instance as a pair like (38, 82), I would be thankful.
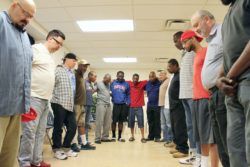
(107, 79)
(152, 76)
(202, 22)
(21, 12)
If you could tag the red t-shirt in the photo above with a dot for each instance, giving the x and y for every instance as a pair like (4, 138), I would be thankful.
(199, 92)
(137, 93)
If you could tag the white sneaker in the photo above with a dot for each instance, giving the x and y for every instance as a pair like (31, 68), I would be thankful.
(60, 155)
(187, 161)
(197, 162)
(71, 153)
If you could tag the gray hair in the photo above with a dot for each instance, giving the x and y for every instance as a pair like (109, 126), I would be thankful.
(107, 76)
(203, 13)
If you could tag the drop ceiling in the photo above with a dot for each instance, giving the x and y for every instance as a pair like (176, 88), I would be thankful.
(150, 39)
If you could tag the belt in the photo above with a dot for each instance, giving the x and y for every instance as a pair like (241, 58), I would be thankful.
(213, 89)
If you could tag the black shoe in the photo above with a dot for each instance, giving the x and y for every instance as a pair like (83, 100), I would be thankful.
(106, 140)
(75, 148)
(87, 147)
(157, 140)
(98, 142)
(148, 139)
(131, 139)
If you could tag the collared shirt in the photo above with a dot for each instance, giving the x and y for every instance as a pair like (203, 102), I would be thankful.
(186, 75)
(62, 93)
(137, 93)
(72, 80)
(214, 58)
(236, 35)
(43, 72)
(15, 68)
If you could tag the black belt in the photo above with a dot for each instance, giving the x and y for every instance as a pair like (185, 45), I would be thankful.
(213, 89)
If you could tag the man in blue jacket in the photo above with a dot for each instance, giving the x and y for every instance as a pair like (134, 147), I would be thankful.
(121, 100)
(153, 110)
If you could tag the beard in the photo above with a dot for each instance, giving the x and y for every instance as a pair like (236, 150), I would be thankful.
(227, 2)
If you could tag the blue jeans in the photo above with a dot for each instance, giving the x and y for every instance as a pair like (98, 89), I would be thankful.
(87, 120)
(138, 112)
(188, 106)
(166, 124)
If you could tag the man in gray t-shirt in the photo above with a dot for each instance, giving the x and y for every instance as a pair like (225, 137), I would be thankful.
(103, 110)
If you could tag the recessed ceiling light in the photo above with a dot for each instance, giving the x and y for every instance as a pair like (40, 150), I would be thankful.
(106, 25)
(120, 60)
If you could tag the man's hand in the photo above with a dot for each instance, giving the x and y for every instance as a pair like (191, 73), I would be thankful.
(226, 86)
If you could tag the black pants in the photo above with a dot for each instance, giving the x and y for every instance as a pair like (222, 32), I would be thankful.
(154, 122)
(63, 117)
(179, 128)
(218, 112)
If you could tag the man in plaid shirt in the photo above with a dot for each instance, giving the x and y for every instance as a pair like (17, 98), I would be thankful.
(62, 104)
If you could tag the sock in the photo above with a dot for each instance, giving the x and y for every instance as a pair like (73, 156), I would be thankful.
(120, 134)
(193, 152)
(113, 133)
(84, 140)
(204, 161)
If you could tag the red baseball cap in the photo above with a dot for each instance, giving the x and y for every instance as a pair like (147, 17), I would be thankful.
(189, 34)
(30, 116)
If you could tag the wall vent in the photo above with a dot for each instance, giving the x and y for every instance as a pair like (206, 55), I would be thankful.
(161, 60)
(177, 24)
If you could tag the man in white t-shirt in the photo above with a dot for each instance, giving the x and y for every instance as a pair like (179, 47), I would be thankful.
(42, 84)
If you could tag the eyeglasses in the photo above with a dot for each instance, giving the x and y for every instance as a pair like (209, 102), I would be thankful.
(59, 43)
(27, 14)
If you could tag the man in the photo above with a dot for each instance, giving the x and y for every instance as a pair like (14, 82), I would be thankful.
(177, 113)
(90, 90)
(235, 83)
(204, 23)
(137, 101)
(186, 76)
(42, 84)
(62, 104)
(103, 110)
(121, 101)
(153, 109)
(202, 120)
(15, 72)
(165, 114)
(79, 107)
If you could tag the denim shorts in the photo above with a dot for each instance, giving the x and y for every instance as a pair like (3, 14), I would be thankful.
(138, 113)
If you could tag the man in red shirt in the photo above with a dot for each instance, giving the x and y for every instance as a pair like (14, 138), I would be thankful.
(137, 101)
(202, 120)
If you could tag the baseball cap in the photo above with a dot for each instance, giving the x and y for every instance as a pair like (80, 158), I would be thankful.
(189, 34)
(83, 62)
(70, 56)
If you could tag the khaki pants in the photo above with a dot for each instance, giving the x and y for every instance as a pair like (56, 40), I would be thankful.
(9, 140)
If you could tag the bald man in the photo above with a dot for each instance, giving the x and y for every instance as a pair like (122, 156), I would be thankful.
(15, 72)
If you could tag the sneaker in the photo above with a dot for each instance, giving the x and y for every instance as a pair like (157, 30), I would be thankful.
(98, 142)
(71, 153)
(197, 162)
(173, 150)
(75, 148)
(162, 140)
(180, 155)
(169, 144)
(143, 140)
(87, 147)
(42, 164)
(157, 140)
(121, 140)
(131, 139)
(187, 161)
(60, 155)
(149, 139)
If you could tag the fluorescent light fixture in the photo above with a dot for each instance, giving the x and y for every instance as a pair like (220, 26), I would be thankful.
(106, 25)
(120, 60)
